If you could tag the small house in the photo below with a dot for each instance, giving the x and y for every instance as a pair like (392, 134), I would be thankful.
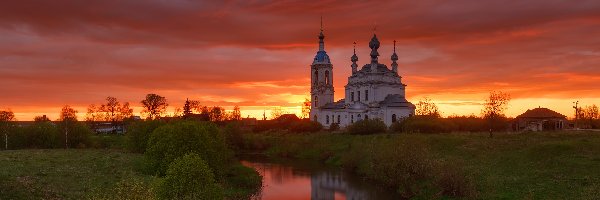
(539, 119)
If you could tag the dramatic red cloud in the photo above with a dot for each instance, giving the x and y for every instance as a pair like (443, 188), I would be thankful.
(257, 54)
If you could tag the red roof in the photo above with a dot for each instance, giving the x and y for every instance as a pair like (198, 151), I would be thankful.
(541, 113)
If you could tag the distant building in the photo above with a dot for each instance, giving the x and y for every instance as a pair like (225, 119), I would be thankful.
(539, 119)
(373, 91)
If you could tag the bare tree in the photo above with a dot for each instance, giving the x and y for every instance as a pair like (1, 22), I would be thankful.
(125, 111)
(305, 108)
(217, 114)
(154, 105)
(93, 113)
(187, 108)
(276, 112)
(236, 114)
(426, 107)
(494, 107)
(111, 109)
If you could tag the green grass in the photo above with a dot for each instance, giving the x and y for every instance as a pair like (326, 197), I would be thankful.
(552, 165)
(65, 174)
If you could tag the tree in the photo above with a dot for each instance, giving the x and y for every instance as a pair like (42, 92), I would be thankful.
(276, 112)
(111, 109)
(426, 107)
(217, 114)
(494, 107)
(125, 111)
(154, 105)
(93, 113)
(187, 108)
(6, 117)
(236, 114)
(589, 115)
(305, 108)
(42, 118)
(189, 177)
(68, 117)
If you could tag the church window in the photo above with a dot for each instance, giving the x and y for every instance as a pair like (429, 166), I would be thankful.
(366, 95)
(358, 95)
(366, 116)
(316, 76)
(393, 118)
(352, 96)
(326, 77)
(315, 118)
(327, 119)
(316, 101)
(338, 119)
(358, 116)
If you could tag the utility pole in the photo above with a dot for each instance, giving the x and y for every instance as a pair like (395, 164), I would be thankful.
(576, 112)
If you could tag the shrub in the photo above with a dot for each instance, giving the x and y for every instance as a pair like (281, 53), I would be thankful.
(43, 135)
(138, 134)
(367, 126)
(176, 139)
(189, 177)
(244, 182)
(402, 165)
(453, 182)
(422, 124)
(233, 134)
(305, 126)
(78, 134)
(334, 127)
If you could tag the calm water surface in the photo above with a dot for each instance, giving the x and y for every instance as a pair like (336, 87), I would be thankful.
(292, 180)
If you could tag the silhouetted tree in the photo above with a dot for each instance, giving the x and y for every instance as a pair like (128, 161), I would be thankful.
(93, 114)
(125, 111)
(494, 107)
(68, 118)
(6, 117)
(42, 118)
(154, 105)
(187, 108)
(236, 114)
(111, 109)
(217, 114)
(426, 107)
(590, 115)
(306, 108)
(276, 112)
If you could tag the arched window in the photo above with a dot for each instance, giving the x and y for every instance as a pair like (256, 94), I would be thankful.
(326, 77)
(316, 101)
(351, 118)
(366, 95)
(338, 119)
(393, 118)
(358, 116)
(352, 96)
(316, 76)
(366, 116)
(358, 95)
(315, 118)
(327, 119)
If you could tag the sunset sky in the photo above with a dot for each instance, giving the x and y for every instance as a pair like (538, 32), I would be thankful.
(256, 54)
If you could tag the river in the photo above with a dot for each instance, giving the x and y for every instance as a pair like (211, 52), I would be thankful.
(296, 180)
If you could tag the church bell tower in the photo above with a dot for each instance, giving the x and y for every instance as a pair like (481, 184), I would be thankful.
(321, 70)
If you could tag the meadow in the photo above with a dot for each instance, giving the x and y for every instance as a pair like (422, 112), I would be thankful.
(547, 165)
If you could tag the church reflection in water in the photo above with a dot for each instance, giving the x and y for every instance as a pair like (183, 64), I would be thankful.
(309, 182)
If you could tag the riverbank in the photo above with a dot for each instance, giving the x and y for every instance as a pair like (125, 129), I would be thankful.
(552, 165)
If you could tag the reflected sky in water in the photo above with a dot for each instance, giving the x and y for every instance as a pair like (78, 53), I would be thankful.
(294, 181)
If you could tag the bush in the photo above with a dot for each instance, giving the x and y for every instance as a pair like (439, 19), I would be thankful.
(305, 126)
(176, 139)
(334, 127)
(43, 135)
(367, 126)
(422, 124)
(243, 181)
(189, 177)
(233, 134)
(453, 182)
(78, 135)
(138, 134)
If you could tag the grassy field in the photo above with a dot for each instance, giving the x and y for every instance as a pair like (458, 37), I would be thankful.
(65, 174)
(553, 165)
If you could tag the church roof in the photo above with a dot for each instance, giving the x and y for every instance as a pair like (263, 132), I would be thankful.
(322, 57)
(336, 105)
(396, 100)
(541, 113)
(380, 68)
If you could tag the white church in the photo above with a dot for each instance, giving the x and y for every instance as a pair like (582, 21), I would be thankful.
(373, 91)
